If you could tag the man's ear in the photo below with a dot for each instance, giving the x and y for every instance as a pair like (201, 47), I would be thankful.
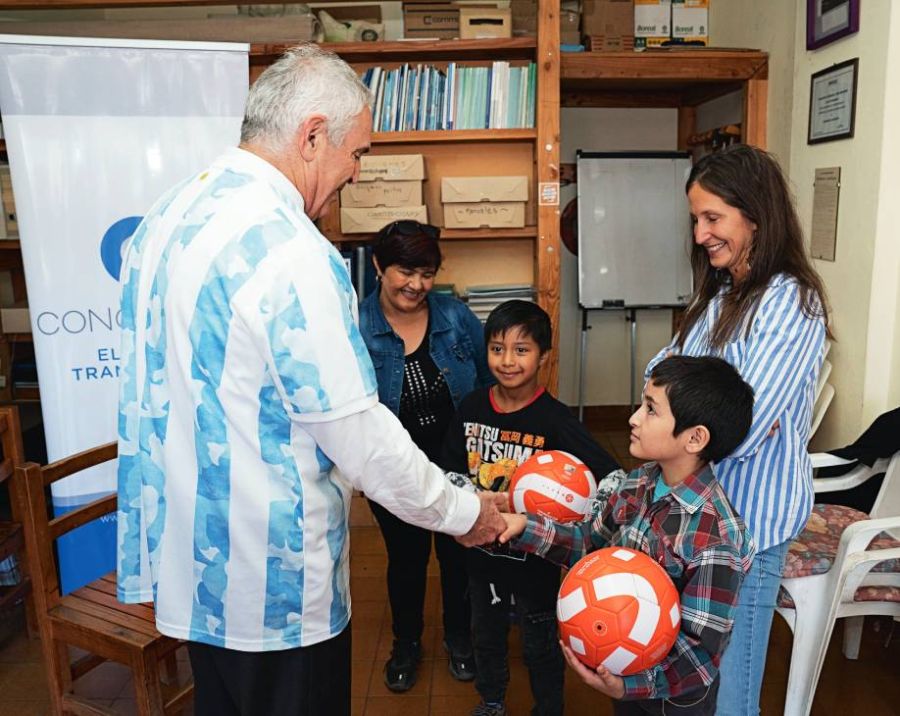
(311, 136)
(698, 439)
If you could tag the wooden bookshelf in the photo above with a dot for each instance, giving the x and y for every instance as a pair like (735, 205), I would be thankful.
(476, 256)
(516, 48)
(454, 135)
(670, 77)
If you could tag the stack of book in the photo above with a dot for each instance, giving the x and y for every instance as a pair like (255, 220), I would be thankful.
(424, 97)
(9, 228)
(484, 299)
(445, 289)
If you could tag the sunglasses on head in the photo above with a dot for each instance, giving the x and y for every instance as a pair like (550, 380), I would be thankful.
(408, 227)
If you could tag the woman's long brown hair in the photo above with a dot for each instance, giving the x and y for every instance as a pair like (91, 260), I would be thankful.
(751, 181)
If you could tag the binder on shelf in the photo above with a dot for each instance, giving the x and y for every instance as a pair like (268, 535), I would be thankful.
(484, 299)
(428, 98)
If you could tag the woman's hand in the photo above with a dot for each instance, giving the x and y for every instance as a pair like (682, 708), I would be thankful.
(603, 680)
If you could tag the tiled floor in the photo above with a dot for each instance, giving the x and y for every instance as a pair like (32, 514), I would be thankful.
(869, 686)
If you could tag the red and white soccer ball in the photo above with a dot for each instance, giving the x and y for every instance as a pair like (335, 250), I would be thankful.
(554, 484)
(619, 608)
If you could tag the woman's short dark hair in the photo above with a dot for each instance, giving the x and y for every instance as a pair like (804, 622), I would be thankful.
(710, 392)
(750, 180)
(408, 244)
(530, 318)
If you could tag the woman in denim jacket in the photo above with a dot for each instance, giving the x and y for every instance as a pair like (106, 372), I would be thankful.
(428, 352)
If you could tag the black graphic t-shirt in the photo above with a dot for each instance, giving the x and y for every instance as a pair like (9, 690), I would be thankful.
(488, 445)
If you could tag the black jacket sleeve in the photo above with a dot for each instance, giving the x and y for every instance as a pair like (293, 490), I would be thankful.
(574, 438)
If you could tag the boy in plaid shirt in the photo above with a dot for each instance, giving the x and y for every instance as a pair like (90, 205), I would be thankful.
(694, 412)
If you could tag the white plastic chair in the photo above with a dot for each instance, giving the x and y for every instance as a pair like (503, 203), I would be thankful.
(845, 590)
(824, 396)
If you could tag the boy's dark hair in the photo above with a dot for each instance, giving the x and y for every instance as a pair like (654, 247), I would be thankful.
(710, 392)
(529, 317)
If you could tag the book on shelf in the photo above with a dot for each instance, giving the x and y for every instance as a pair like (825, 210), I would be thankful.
(425, 97)
(10, 225)
(484, 299)
(445, 289)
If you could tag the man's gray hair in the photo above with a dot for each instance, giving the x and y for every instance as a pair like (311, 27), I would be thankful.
(306, 80)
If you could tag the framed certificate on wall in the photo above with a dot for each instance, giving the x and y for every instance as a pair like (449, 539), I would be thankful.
(832, 103)
(829, 20)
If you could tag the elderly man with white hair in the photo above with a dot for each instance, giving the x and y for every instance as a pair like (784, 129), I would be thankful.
(249, 408)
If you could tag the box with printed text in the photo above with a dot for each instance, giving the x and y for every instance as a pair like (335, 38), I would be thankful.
(472, 189)
(368, 194)
(490, 214)
(652, 23)
(392, 167)
(373, 219)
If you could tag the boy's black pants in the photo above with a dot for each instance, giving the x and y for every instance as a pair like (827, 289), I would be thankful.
(535, 591)
(698, 704)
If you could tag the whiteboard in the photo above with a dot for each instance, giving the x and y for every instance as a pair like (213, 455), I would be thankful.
(634, 230)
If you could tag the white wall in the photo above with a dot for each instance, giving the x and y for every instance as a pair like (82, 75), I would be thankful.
(764, 25)
(881, 389)
(608, 356)
(862, 280)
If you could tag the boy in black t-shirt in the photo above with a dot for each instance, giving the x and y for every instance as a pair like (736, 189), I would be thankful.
(496, 429)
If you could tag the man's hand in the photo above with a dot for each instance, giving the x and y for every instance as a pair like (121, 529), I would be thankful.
(501, 500)
(489, 525)
(602, 680)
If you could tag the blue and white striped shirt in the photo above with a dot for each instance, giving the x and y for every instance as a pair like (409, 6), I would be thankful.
(769, 477)
(239, 333)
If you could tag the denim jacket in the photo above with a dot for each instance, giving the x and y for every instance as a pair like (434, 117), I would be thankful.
(456, 347)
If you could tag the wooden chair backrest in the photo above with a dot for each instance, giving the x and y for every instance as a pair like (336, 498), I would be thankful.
(41, 530)
(10, 442)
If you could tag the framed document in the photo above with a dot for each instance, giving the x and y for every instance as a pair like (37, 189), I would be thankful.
(828, 20)
(832, 102)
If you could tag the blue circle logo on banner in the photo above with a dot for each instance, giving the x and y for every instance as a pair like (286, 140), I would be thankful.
(112, 242)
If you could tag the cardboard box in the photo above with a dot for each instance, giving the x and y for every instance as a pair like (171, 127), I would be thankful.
(609, 24)
(439, 20)
(15, 319)
(381, 193)
(493, 215)
(524, 18)
(652, 23)
(455, 190)
(289, 28)
(569, 21)
(392, 167)
(690, 21)
(477, 23)
(372, 220)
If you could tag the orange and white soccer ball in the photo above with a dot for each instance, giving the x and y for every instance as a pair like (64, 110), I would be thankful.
(554, 484)
(619, 608)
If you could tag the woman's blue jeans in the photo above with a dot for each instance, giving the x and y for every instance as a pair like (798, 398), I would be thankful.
(744, 662)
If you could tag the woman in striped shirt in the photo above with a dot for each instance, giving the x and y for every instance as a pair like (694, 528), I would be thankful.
(759, 304)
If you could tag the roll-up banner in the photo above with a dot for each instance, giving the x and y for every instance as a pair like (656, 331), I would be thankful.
(96, 130)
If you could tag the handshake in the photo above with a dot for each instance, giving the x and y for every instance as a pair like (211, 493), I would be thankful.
(494, 521)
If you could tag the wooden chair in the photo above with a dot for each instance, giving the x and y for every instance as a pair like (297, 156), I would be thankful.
(91, 618)
(12, 543)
